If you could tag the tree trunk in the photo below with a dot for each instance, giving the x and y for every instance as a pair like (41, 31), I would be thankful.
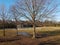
(34, 30)
(3, 31)
(3, 28)
(16, 30)
(16, 27)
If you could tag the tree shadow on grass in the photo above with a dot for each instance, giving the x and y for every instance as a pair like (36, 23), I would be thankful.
(5, 39)
(47, 33)
(50, 43)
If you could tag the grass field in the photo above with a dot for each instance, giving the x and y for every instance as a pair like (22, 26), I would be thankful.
(48, 36)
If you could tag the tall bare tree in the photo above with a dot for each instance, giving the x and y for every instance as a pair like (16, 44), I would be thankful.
(15, 16)
(36, 10)
(3, 16)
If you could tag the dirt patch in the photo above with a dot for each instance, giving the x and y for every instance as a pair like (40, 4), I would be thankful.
(23, 40)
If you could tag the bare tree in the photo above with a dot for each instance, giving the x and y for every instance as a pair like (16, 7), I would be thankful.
(3, 16)
(36, 10)
(15, 16)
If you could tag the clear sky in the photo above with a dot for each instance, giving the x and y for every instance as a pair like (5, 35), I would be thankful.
(8, 3)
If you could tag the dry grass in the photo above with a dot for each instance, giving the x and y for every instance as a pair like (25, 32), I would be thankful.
(11, 32)
(39, 29)
(52, 38)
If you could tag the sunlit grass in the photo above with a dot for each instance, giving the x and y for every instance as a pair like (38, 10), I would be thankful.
(53, 34)
(41, 30)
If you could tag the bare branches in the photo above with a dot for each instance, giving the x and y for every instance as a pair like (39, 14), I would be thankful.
(36, 9)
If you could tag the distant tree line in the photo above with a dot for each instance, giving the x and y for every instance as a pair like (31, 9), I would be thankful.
(25, 24)
(7, 25)
(51, 23)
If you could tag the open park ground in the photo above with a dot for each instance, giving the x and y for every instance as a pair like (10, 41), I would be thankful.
(45, 36)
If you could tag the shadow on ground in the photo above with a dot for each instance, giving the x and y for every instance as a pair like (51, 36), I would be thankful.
(47, 33)
(46, 38)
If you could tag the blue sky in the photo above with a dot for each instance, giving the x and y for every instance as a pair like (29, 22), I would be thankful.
(8, 3)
